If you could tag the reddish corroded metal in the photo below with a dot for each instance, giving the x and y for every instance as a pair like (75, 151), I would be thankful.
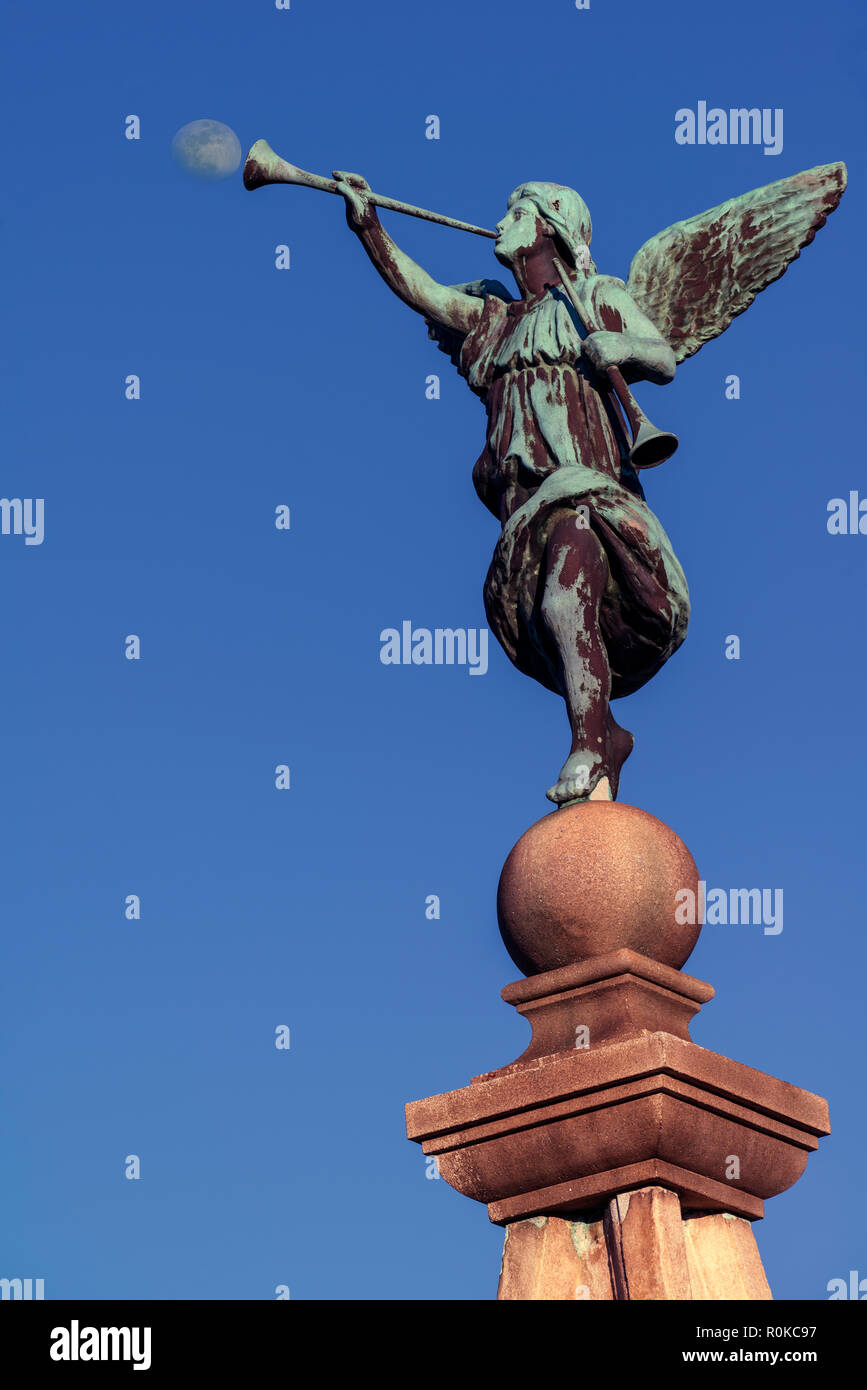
(594, 878)
(694, 277)
(551, 367)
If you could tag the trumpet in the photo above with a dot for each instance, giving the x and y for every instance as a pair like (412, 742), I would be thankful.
(263, 166)
(650, 446)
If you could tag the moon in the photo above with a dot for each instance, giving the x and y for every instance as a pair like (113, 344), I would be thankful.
(208, 150)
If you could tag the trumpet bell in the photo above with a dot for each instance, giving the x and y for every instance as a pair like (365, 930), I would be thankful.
(258, 165)
(651, 446)
(263, 165)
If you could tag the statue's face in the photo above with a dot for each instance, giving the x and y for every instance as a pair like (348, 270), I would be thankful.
(519, 231)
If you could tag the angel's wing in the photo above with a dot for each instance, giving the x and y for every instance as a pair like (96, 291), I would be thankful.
(449, 340)
(693, 278)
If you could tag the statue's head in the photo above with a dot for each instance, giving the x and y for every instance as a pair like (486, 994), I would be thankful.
(539, 210)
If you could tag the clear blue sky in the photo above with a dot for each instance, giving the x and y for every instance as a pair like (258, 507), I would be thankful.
(306, 387)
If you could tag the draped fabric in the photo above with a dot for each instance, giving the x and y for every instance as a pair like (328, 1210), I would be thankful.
(555, 443)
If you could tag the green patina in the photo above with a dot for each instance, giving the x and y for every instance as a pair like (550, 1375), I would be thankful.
(553, 367)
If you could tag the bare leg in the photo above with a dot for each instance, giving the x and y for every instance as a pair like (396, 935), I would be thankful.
(576, 572)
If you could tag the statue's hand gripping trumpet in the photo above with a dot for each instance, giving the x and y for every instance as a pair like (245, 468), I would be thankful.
(584, 591)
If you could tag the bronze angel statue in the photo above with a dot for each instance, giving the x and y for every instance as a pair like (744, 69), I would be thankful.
(584, 591)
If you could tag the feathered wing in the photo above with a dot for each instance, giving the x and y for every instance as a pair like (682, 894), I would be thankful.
(693, 278)
(449, 340)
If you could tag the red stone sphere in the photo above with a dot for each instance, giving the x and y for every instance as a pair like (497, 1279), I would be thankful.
(594, 878)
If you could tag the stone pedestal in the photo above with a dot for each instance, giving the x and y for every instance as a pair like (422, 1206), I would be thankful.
(640, 1248)
(624, 1161)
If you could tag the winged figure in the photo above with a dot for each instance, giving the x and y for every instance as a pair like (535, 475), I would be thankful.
(584, 591)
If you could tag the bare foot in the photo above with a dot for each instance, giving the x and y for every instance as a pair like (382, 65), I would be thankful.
(576, 782)
(584, 778)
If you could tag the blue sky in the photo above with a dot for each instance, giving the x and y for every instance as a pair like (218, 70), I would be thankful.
(259, 647)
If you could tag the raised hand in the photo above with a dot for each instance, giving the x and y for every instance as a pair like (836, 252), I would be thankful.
(360, 212)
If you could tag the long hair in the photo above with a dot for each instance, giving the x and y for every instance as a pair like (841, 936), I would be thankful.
(568, 214)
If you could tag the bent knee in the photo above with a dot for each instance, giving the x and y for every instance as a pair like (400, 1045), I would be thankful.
(573, 549)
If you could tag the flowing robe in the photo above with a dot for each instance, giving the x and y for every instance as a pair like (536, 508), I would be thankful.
(555, 443)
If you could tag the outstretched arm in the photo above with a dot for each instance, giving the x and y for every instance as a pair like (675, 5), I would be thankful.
(402, 275)
(628, 339)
